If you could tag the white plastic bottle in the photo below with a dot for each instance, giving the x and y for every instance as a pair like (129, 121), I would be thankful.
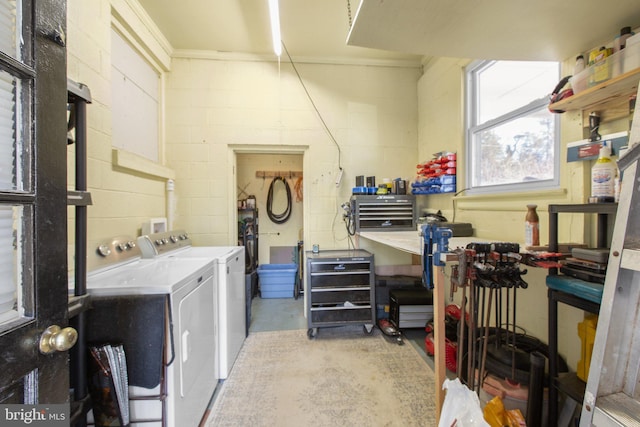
(603, 175)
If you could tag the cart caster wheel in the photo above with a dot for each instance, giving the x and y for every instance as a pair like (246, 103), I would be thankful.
(368, 329)
(312, 333)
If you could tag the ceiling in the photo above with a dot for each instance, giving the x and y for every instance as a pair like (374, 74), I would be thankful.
(492, 29)
(310, 28)
(396, 29)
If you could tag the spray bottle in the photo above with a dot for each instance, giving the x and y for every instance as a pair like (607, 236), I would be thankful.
(603, 175)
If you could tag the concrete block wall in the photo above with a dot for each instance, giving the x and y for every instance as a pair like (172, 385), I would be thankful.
(122, 199)
(218, 107)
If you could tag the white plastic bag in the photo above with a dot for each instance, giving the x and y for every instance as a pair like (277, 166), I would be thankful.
(461, 406)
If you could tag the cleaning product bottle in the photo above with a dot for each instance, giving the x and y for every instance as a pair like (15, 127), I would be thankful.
(531, 227)
(579, 67)
(603, 174)
(620, 41)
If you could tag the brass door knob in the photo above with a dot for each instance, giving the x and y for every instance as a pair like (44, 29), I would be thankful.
(55, 339)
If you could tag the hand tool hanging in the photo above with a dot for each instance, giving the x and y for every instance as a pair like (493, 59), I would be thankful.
(284, 216)
(482, 266)
(462, 275)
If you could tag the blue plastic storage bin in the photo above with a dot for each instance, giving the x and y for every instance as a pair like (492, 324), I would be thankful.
(277, 280)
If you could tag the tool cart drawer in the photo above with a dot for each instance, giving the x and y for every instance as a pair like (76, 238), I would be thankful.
(326, 315)
(337, 267)
(323, 280)
(340, 295)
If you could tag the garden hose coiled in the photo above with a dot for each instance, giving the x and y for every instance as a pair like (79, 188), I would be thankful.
(284, 216)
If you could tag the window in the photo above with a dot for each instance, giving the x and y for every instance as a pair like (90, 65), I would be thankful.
(135, 91)
(512, 138)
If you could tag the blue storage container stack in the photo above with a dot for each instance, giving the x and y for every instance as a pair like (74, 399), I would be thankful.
(277, 280)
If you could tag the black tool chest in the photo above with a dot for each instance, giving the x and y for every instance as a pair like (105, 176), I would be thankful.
(384, 212)
(341, 287)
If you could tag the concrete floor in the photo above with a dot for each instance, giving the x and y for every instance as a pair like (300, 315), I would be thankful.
(281, 314)
(277, 314)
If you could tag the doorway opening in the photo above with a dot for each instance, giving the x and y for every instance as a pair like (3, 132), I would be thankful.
(270, 198)
(256, 174)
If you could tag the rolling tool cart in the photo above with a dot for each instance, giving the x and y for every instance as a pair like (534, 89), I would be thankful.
(341, 289)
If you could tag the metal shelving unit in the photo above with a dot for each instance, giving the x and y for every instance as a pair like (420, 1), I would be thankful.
(248, 236)
(573, 292)
(78, 96)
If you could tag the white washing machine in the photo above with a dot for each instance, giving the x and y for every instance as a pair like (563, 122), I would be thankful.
(163, 310)
(231, 295)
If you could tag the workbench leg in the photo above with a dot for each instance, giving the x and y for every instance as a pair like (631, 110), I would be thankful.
(553, 358)
(439, 336)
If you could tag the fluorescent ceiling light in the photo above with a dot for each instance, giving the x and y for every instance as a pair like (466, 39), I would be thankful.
(274, 14)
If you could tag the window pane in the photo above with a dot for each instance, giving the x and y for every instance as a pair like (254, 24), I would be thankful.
(520, 150)
(505, 86)
(13, 246)
(9, 36)
(11, 148)
(135, 89)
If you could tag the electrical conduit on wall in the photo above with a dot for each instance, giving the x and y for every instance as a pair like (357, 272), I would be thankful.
(171, 203)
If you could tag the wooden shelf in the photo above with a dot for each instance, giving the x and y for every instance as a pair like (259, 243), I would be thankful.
(610, 98)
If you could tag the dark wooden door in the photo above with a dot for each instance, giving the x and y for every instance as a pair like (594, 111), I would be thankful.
(33, 215)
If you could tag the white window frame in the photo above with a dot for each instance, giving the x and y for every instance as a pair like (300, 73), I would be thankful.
(471, 103)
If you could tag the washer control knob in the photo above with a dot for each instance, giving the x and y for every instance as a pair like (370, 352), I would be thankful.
(121, 247)
(159, 242)
(104, 250)
(131, 244)
(165, 241)
(174, 239)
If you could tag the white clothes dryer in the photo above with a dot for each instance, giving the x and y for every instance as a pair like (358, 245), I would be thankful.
(229, 262)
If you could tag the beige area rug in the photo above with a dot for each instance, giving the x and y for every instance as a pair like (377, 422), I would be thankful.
(343, 377)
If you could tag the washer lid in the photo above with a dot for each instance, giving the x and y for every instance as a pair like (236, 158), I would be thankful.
(217, 253)
(157, 276)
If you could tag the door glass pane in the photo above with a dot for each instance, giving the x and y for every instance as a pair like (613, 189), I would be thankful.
(11, 149)
(9, 23)
(14, 244)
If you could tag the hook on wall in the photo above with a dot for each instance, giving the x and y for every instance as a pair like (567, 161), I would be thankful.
(274, 174)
